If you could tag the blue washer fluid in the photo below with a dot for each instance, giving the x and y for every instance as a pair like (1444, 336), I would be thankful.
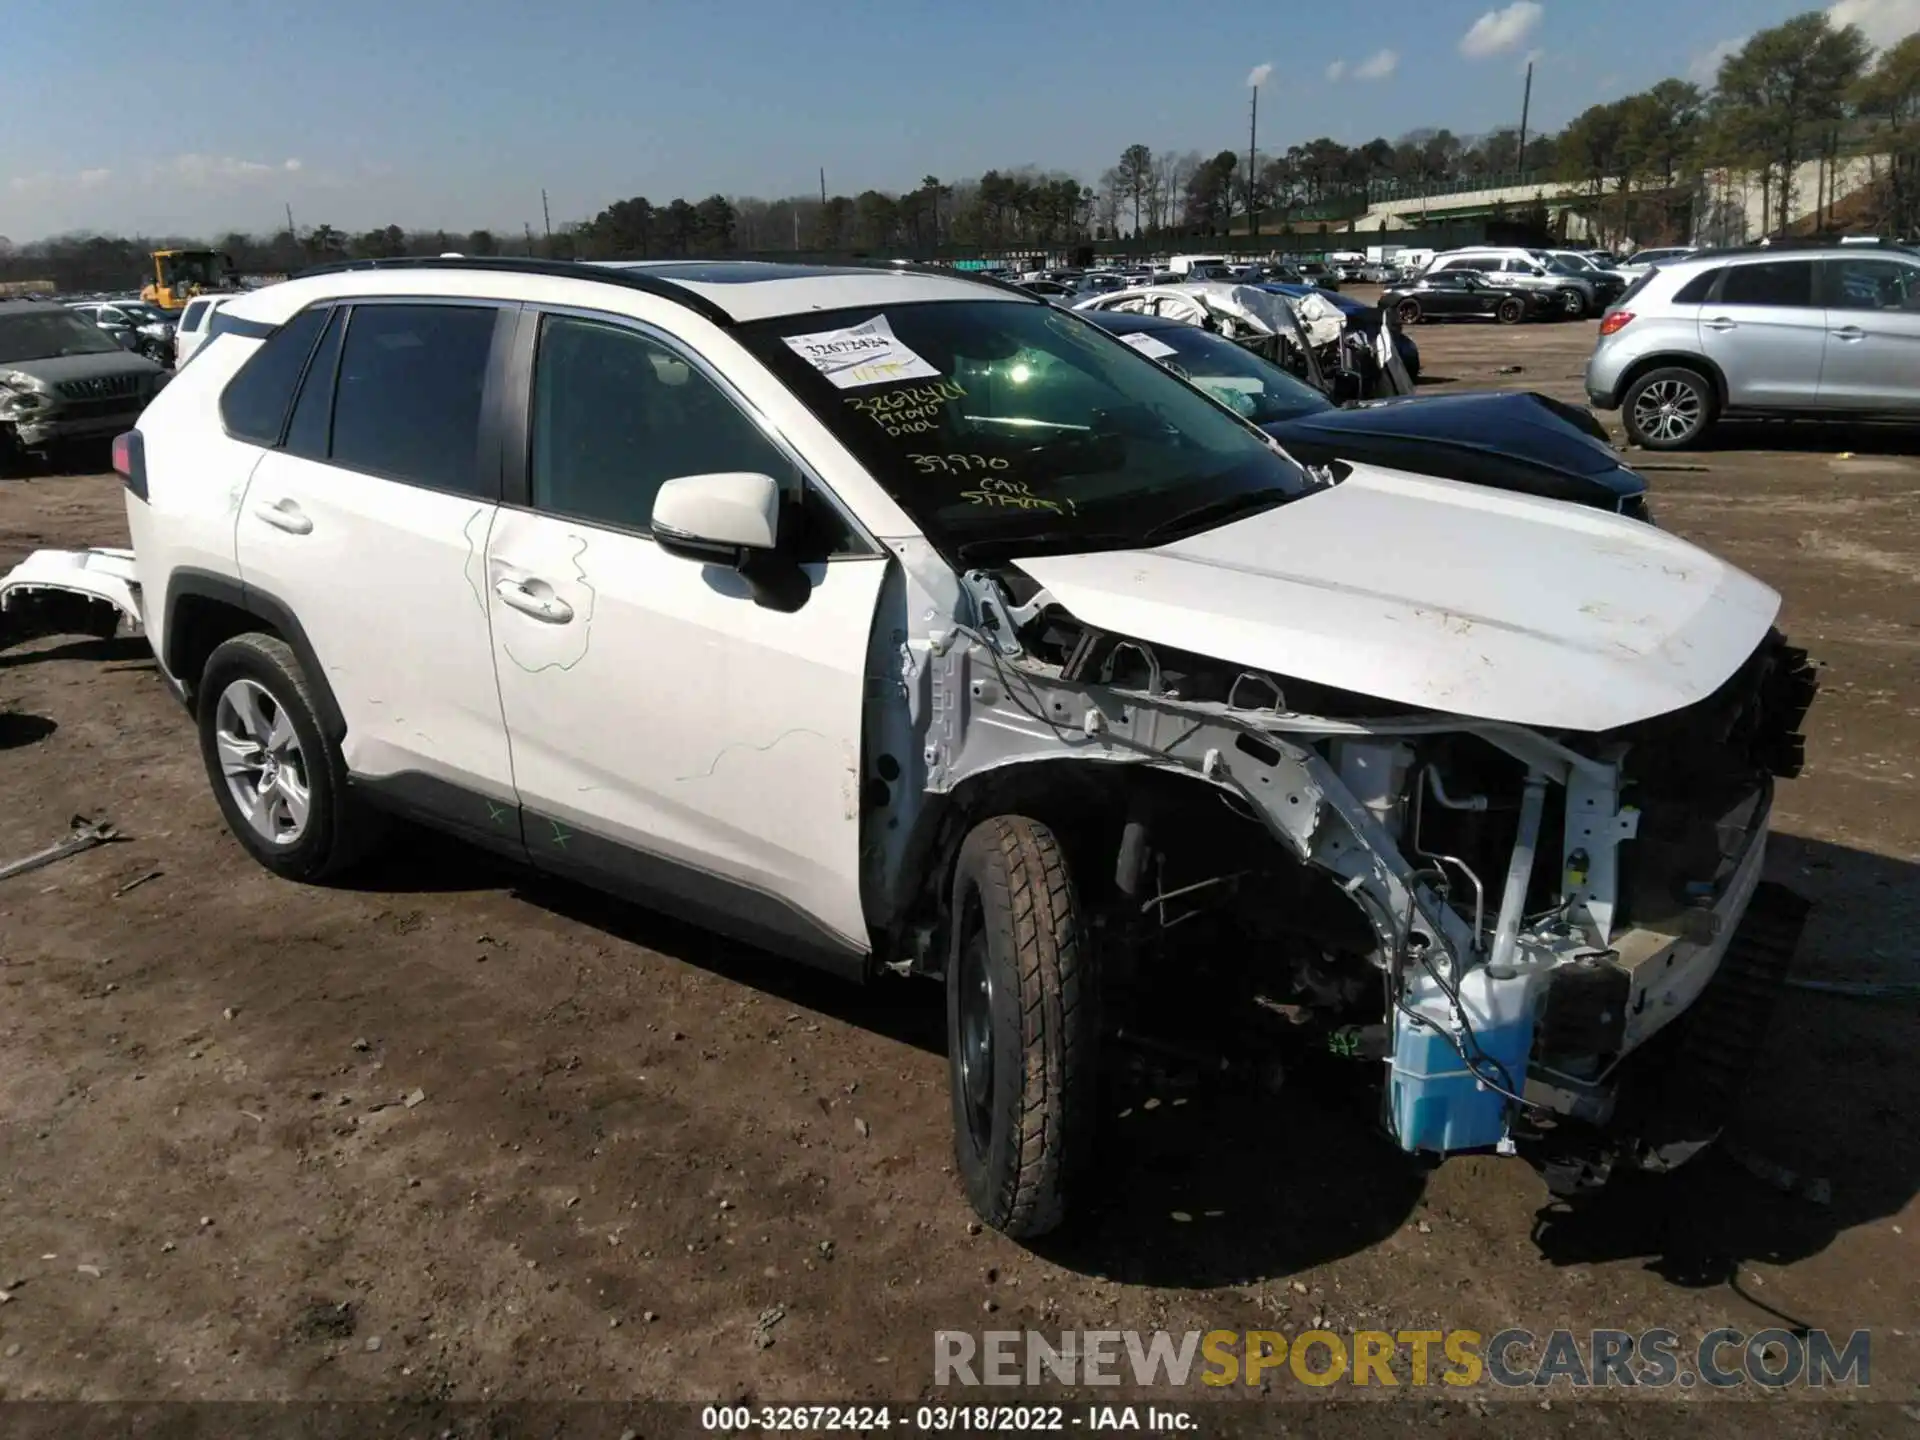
(1437, 1104)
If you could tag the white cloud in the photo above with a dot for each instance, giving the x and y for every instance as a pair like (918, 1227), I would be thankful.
(1377, 66)
(93, 179)
(27, 184)
(1337, 71)
(1499, 31)
(1257, 76)
(1882, 21)
(1704, 68)
(209, 171)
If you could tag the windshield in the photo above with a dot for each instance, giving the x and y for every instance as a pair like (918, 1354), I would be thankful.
(1006, 428)
(190, 267)
(145, 314)
(1569, 264)
(47, 334)
(1229, 372)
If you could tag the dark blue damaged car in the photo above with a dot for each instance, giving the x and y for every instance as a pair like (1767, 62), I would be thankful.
(1510, 440)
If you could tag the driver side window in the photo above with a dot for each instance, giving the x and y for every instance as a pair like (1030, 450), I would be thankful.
(617, 414)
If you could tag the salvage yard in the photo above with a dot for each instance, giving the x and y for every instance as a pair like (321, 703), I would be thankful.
(456, 1133)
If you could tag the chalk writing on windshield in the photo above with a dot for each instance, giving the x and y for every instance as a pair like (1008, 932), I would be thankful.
(994, 492)
(956, 464)
(911, 410)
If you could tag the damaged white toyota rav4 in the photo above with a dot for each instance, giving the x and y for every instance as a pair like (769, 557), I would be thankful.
(898, 622)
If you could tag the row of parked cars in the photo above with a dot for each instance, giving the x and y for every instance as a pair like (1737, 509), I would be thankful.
(73, 371)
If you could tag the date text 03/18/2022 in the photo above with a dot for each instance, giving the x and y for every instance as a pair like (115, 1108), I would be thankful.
(946, 1419)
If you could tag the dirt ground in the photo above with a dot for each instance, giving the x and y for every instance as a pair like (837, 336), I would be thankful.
(459, 1134)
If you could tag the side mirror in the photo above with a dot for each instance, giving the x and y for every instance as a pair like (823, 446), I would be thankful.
(1346, 386)
(718, 519)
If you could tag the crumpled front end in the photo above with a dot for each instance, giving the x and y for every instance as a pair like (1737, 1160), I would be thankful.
(1498, 916)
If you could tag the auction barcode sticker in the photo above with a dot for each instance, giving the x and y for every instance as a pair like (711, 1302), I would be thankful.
(865, 354)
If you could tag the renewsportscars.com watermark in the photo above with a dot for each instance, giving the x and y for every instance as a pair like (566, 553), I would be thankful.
(1596, 1359)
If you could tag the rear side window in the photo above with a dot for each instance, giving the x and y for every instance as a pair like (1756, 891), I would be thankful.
(1776, 282)
(191, 320)
(407, 402)
(254, 405)
(1695, 291)
(308, 430)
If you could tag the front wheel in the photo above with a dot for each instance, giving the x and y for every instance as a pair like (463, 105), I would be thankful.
(1668, 409)
(1407, 312)
(1022, 1026)
(1510, 312)
(1573, 304)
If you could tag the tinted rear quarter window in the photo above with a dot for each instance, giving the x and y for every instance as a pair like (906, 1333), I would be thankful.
(1696, 290)
(407, 402)
(1776, 282)
(254, 405)
(307, 431)
(191, 320)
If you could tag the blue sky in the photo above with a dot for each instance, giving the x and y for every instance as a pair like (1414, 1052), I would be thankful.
(204, 115)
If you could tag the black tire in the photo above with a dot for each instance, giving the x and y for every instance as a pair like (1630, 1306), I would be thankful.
(1407, 312)
(1573, 304)
(337, 831)
(1669, 408)
(1510, 311)
(1022, 1027)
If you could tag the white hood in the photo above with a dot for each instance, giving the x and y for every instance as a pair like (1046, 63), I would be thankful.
(1446, 596)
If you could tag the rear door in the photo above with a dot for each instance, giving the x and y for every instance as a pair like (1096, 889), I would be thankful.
(1873, 333)
(367, 518)
(1766, 330)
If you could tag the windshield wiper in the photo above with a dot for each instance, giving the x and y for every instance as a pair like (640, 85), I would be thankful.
(1216, 512)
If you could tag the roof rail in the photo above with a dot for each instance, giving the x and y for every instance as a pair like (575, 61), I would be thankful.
(528, 265)
(1815, 242)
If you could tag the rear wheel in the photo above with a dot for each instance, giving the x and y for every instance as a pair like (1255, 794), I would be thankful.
(1510, 311)
(1021, 1026)
(1407, 312)
(279, 781)
(1668, 409)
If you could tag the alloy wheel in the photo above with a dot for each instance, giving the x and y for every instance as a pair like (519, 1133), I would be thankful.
(1668, 410)
(261, 758)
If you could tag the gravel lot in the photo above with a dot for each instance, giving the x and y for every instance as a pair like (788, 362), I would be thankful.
(458, 1134)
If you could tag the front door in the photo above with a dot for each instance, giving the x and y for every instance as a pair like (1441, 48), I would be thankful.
(672, 737)
(1873, 334)
(368, 521)
(1767, 332)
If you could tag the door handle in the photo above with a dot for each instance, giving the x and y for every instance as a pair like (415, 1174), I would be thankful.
(521, 595)
(285, 515)
(1849, 332)
(1720, 322)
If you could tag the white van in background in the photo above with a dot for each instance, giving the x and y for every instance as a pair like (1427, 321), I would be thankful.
(196, 323)
(1183, 265)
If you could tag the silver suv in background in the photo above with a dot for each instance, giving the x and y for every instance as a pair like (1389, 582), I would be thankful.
(1772, 332)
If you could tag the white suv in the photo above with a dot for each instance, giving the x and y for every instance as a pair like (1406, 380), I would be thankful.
(900, 622)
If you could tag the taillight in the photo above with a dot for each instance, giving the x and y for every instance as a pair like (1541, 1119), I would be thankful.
(1616, 321)
(130, 461)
